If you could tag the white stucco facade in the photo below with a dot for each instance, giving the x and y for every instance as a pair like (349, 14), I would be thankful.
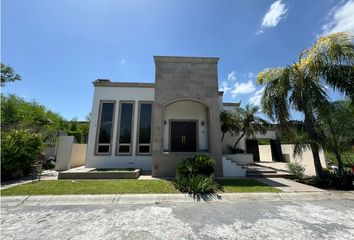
(118, 94)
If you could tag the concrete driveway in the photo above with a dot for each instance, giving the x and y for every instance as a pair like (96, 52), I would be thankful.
(252, 219)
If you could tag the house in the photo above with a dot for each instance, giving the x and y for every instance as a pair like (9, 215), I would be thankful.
(153, 126)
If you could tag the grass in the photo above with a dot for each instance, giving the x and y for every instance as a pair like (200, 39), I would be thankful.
(244, 185)
(68, 187)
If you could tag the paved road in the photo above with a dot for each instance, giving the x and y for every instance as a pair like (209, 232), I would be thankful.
(262, 219)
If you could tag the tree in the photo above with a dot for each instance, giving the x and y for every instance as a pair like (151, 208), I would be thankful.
(229, 123)
(8, 74)
(337, 130)
(250, 123)
(299, 86)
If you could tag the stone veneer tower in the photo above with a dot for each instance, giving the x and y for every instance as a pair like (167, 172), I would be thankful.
(185, 79)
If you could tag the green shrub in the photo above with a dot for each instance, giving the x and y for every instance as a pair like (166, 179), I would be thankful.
(198, 165)
(332, 179)
(297, 170)
(196, 176)
(196, 185)
(19, 150)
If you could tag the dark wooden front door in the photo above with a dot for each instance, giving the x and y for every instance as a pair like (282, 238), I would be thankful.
(183, 137)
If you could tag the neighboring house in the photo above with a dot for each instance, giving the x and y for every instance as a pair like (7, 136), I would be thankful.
(153, 126)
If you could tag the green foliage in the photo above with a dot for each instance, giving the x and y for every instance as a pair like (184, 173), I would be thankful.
(79, 130)
(250, 123)
(337, 130)
(299, 86)
(16, 113)
(8, 74)
(332, 179)
(229, 123)
(197, 184)
(19, 151)
(297, 170)
(198, 165)
(195, 175)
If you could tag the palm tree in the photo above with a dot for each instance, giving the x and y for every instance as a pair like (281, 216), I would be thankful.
(299, 86)
(250, 123)
(229, 123)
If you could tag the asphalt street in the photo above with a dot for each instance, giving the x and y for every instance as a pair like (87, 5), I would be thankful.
(262, 219)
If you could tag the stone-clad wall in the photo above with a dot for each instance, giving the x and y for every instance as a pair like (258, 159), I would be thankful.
(185, 78)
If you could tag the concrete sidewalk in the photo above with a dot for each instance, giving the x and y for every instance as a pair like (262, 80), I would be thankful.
(287, 185)
(167, 198)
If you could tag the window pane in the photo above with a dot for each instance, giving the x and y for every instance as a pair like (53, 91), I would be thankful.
(126, 117)
(106, 123)
(145, 123)
(124, 149)
(103, 149)
(144, 149)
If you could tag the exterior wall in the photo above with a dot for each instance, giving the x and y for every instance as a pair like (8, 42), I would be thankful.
(117, 93)
(181, 79)
(306, 159)
(64, 153)
(265, 153)
(187, 110)
(241, 158)
(231, 169)
(230, 140)
(78, 155)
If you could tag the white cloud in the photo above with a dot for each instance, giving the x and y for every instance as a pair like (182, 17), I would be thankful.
(341, 19)
(257, 97)
(122, 61)
(243, 88)
(224, 87)
(275, 13)
(231, 76)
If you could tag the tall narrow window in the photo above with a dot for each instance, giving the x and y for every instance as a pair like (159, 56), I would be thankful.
(105, 124)
(144, 138)
(125, 128)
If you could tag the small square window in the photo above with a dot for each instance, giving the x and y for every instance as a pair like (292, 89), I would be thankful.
(144, 149)
(103, 149)
(124, 149)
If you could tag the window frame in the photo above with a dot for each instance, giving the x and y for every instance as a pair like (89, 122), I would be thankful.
(138, 130)
(121, 102)
(98, 124)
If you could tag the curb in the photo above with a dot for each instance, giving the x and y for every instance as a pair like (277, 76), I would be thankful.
(119, 199)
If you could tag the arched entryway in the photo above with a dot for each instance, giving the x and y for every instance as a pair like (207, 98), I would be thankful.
(185, 126)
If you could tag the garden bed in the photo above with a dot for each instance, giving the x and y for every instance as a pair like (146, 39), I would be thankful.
(102, 174)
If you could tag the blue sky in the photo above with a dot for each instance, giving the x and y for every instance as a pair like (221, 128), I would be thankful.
(60, 47)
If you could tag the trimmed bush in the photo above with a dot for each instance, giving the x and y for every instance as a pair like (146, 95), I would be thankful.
(332, 179)
(196, 176)
(19, 151)
(297, 170)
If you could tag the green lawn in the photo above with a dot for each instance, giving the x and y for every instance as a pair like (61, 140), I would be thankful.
(68, 187)
(244, 185)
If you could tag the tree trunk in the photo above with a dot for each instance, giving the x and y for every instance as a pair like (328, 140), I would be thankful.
(310, 128)
(223, 135)
(242, 135)
(340, 164)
